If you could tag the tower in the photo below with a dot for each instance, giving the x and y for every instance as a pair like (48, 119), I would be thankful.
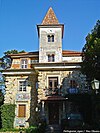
(50, 34)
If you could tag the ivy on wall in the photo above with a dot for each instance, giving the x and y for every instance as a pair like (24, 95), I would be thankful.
(7, 115)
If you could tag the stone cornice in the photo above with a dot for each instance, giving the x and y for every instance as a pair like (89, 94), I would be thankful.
(18, 72)
(57, 66)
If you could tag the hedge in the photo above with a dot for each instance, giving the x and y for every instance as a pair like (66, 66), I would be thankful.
(7, 115)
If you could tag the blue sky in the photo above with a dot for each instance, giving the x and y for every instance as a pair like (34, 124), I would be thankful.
(18, 20)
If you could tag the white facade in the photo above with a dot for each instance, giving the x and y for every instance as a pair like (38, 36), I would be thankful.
(50, 48)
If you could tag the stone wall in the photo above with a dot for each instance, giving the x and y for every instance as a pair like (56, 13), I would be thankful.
(28, 97)
(11, 89)
(43, 80)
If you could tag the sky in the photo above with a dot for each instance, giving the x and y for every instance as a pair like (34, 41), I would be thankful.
(19, 19)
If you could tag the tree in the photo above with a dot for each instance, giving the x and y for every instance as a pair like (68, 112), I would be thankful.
(13, 52)
(1, 95)
(91, 54)
(6, 60)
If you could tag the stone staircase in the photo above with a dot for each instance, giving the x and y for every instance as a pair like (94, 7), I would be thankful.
(53, 129)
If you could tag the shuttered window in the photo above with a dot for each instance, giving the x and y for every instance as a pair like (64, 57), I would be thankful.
(22, 111)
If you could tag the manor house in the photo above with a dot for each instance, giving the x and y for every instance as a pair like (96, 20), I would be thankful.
(39, 82)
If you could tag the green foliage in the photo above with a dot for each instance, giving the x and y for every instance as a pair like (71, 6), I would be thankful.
(7, 115)
(42, 126)
(91, 54)
(1, 97)
(13, 52)
(11, 130)
(31, 129)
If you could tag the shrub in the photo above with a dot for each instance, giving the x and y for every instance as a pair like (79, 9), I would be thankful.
(7, 115)
(42, 126)
(31, 130)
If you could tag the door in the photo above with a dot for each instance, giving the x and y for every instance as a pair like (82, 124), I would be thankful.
(53, 109)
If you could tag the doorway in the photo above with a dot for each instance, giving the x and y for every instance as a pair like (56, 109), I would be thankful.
(53, 110)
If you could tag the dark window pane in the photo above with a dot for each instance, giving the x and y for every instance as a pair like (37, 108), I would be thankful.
(51, 58)
(22, 85)
(24, 63)
(50, 38)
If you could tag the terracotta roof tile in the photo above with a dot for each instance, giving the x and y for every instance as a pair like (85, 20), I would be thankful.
(50, 18)
(71, 53)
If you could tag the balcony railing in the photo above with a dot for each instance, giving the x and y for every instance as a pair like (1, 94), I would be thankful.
(51, 92)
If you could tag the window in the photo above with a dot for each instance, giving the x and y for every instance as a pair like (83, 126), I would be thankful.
(21, 110)
(24, 63)
(53, 82)
(50, 38)
(51, 58)
(73, 84)
(52, 85)
(22, 85)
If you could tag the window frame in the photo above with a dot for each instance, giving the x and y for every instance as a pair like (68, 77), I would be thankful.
(52, 82)
(22, 87)
(24, 63)
(73, 83)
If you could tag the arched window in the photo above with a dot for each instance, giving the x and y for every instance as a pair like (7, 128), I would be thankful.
(50, 38)
(51, 58)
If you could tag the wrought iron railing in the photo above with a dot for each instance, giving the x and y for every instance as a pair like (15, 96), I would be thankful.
(51, 92)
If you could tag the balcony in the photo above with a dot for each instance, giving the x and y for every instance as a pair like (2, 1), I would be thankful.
(52, 92)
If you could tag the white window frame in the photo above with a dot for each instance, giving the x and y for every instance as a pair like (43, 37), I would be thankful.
(50, 75)
(24, 63)
(22, 88)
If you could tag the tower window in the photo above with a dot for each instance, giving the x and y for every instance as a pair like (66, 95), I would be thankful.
(50, 38)
(51, 58)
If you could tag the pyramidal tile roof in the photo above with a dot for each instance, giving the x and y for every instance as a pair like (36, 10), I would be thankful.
(50, 18)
